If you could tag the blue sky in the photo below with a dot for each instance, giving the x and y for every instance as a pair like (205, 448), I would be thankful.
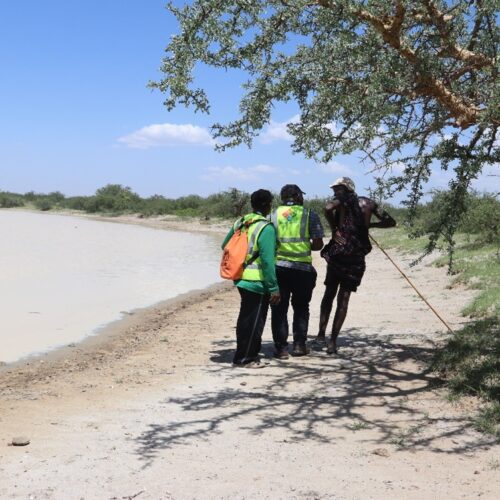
(76, 113)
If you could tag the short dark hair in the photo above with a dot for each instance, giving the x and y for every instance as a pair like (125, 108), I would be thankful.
(290, 191)
(260, 199)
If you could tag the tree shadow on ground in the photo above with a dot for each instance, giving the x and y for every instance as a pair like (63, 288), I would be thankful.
(370, 385)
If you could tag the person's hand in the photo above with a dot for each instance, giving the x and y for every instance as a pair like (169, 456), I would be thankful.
(275, 298)
(338, 238)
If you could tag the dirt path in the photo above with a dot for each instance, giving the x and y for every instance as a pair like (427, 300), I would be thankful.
(153, 410)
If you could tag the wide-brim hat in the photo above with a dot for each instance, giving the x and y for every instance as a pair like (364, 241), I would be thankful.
(347, 182)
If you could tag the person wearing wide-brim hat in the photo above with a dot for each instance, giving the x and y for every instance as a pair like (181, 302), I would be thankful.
(349, 218)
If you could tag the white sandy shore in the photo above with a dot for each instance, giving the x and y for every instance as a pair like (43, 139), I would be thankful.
(153, 410)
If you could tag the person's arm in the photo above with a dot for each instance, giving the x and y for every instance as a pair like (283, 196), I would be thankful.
(385, 220)
(316, 231)
(330, 208)
(316, 244)
(267, 254)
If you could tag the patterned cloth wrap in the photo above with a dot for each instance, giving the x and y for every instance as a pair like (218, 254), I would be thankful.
(347, 261)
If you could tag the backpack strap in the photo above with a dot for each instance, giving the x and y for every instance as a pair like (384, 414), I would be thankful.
(238, 224)
(262, 224)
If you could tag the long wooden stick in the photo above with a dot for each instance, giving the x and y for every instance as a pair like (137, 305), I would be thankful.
(411, 284)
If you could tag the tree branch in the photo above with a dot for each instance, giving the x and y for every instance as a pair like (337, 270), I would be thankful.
(477, 26)
(464, 113)
(451, 49)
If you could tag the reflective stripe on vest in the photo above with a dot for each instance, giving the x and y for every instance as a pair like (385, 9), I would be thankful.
(253, 268)
(292, 226)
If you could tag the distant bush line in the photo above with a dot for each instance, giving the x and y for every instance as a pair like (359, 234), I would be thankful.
(481, 219)
(115, 199)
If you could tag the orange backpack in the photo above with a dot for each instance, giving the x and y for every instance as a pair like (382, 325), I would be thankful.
(235, 253)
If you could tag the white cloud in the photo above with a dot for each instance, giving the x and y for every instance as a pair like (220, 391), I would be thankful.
(277, 131)
(238, 173)
(167, 134)
(265, 169)
(334, 167)
(332, 127)
(397, 167)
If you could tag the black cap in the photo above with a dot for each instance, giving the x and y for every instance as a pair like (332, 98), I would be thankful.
(290, 191)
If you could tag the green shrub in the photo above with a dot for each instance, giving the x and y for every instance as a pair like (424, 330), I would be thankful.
(56, 197)
(228, 204)
(76, 202)
(470, 364)
(186, 212)
(30, 196)
(192, 201)
(482, 217)
(43, 204)
(470, 361)
(488, 419)
(157, 205)
(9, 200)
(114, 198)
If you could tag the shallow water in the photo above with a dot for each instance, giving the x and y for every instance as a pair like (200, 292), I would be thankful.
(62, 278)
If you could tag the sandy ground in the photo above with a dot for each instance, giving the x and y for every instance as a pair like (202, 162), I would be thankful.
(151, 409)
(170, 222)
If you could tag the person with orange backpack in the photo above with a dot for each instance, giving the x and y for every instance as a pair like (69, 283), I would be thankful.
(256, 280)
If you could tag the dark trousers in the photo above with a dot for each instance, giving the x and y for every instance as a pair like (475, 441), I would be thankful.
(297, 285)
(250, 325)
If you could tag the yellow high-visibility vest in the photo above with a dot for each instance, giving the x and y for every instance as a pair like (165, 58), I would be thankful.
(292, 227)
(254, 223)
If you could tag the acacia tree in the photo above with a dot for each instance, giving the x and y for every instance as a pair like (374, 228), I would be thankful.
(407, 83)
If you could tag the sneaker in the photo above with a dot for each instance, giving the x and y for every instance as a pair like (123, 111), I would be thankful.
(300, 350)
(254, 364)
(281, 353)
(250, 364)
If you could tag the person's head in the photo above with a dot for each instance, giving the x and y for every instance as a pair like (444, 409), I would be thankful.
(261, 201)
(342, 187)
(292, 193)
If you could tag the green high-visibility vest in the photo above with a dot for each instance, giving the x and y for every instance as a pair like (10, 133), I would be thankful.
(254, 224)
(292, 227)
